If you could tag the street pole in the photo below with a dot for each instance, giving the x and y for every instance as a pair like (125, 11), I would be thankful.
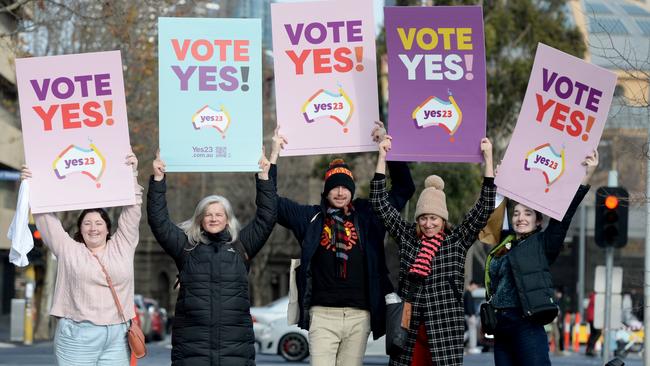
(646, 282)
(581, 260)
(609, 270)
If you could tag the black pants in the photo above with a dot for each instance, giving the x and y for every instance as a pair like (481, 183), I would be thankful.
(594, 334)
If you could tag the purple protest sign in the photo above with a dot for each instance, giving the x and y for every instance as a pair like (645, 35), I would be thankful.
(436, 78)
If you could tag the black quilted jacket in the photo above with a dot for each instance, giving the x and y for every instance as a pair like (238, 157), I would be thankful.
(212, 324)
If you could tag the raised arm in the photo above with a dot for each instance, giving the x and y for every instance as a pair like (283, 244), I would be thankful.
(402, 187)
(291, 215)
(170, 237)
(556, 230)
(478, 215)
(54, 236)
(128, 224)
(255, 234)
(379, 198)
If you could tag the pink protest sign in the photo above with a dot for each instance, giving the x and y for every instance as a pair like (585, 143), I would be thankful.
(325, 76)
(561, 121)
(75, 131)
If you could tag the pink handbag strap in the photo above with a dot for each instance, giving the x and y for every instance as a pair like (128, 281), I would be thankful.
(110, 284)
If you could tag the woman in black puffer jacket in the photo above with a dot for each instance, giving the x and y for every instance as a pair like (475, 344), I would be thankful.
(519, 283)
(212, 324)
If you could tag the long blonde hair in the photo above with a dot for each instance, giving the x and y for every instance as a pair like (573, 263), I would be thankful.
(193, 229)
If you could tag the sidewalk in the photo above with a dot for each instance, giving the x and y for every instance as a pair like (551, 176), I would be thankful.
(4, 332)
(5, 335)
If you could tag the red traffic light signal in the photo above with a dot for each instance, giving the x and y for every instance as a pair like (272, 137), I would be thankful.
(611, 217)
(611, 202)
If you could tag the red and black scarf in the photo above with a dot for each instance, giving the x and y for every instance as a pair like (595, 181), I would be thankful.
(428, 249)
(339, 236)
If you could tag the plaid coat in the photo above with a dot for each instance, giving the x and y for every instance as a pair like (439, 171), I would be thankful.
(439, 302)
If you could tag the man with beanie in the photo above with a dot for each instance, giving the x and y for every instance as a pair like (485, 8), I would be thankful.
(342, 278)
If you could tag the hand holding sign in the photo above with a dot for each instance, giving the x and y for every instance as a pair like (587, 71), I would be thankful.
(278, 144)
(158, 167)
(590, 163)
(25, 173)
(384, 146)
(132, 161)
(265, 166)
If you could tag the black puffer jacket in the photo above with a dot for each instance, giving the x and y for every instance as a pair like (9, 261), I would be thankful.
(212, 324)
(530, 260)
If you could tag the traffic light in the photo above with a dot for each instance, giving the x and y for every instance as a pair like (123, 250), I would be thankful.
(35, 256)
(611, 217)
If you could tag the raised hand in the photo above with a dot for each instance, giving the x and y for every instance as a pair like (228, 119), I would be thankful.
(486, 149)
(265, 165)
(385, 146)
(132, 160)
(590, 163)
(378, 132)
(25, 173)
(278, 144)
(158, 168)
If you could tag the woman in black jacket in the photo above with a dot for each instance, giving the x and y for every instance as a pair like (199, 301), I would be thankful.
(212, 323)
(519, 283)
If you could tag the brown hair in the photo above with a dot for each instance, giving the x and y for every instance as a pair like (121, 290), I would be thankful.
(538, 215)
(446, 227)
(104, 215)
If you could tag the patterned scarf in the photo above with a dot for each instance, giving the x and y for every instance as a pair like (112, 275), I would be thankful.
(428, 248)
(339, 236)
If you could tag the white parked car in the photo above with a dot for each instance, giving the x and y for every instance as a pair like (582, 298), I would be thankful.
(274, 336)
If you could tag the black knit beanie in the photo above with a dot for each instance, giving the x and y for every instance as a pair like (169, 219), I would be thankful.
(338, 174)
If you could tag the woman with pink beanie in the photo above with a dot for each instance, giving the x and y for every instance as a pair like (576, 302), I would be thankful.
(432, 264)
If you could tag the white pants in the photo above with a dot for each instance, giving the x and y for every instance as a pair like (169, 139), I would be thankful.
(338, 336)
(84, 343)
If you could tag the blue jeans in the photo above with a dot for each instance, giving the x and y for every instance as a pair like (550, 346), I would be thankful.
(518, 342)
(84, 343)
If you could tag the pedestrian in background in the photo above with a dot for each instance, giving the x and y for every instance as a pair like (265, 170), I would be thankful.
(471, 309)
(594, 333)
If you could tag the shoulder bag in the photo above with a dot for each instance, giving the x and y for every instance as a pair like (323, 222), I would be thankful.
(134, 333)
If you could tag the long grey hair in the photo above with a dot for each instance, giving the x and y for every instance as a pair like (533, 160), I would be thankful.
(193, 229)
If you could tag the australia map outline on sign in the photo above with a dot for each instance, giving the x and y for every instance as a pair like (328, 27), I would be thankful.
(545, 159)
(324, 103)
(76, 159)
(218, 119)
(438, 112)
